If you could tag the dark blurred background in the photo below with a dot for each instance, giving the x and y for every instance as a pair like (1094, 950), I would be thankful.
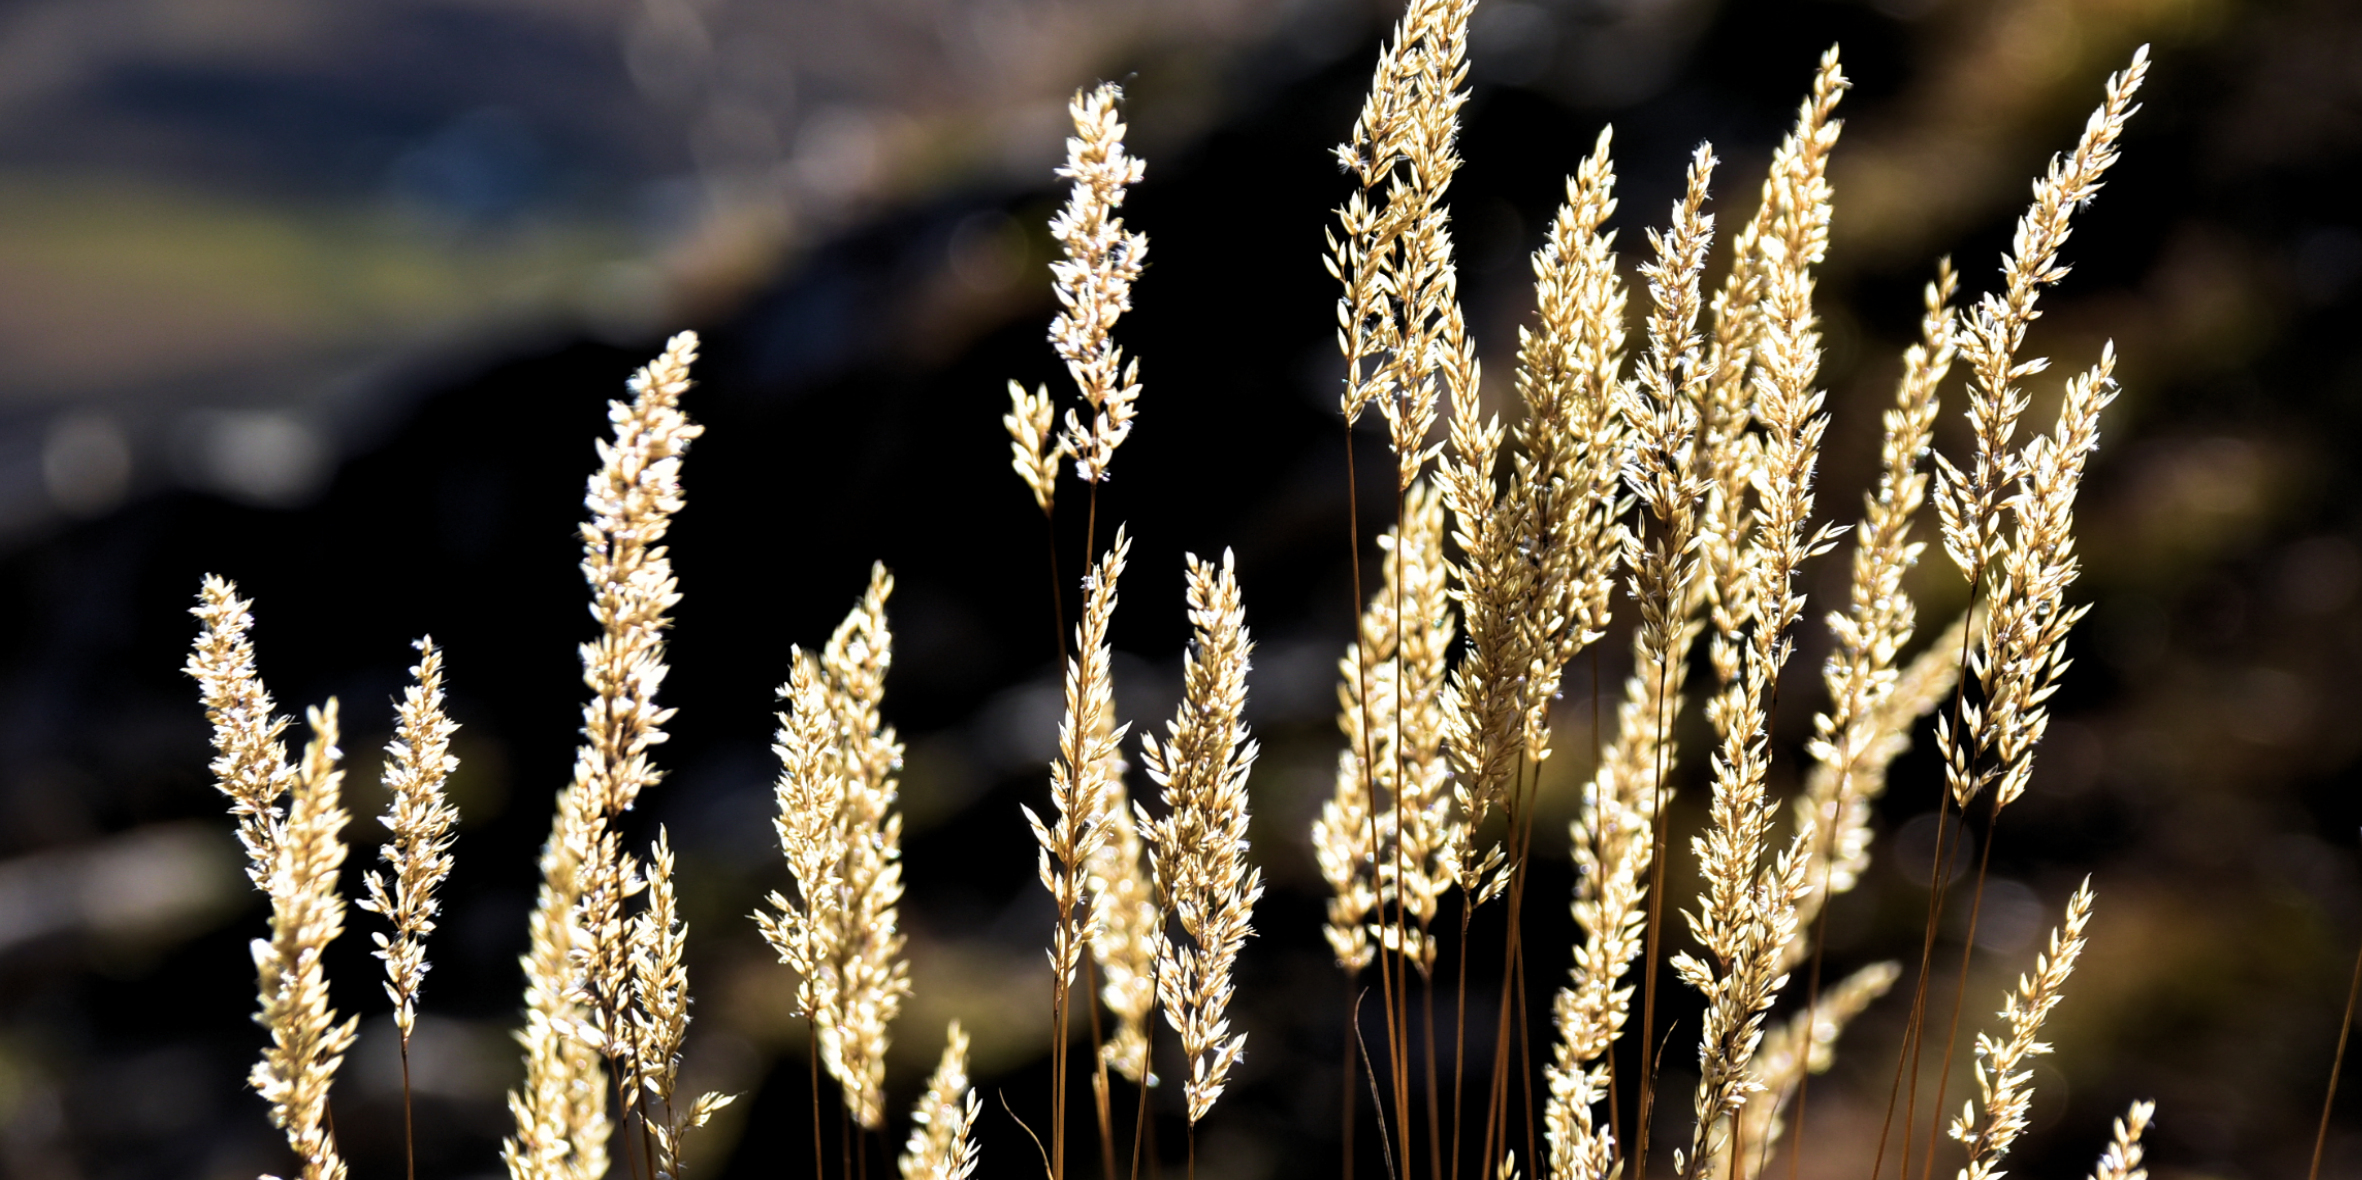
(330, 299)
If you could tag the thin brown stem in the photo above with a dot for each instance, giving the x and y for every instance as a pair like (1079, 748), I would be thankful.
(1057, 589)
(1398, 1014)
(409, 1141)
(1656, 927)
(812, 1045)
(1812, 1001)
(2336, 1064)
(623, 1116)
(1099, 1076)
(1377, 1104)
(1460, 1033)
(1936, 882)
(1140, 1125)
(1434, 1091)
(1968, 947)
(1386, 978)
(1345, 1110)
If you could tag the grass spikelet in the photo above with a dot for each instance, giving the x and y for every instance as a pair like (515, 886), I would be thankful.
(1094, 287)
(560, 1109)
(1199, 848)
(1034, 448)
(2122, 1159)
(2004, 1077)
(1406, 856)
(1762, 316)
(939, 1147)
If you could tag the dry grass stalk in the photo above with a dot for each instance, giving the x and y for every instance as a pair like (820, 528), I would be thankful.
(1769, 281)
(1126, 920)
(1399, 323)
(1199, 848)
(1541, 552)
(660, 1016)
(1865, 726)
(1747, 914)
(1087, 751)
(561, 1107)
(2004, 1073)
(293, 858)
(1661, 407)
(2122, 1159)
(1406, 855)
(939, 1147)
(1971, 503)
(418, 761)
(2023, 646)
(842, 840)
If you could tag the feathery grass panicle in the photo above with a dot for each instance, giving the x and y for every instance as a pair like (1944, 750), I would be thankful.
(1995, 329)
(1085, 752)
(1199, 848)
(562, 1125)
(250, 754)
(1771, 259)
(842, 840)
(1088, 751)
(2028, 568)
(660, 1016)
(1420, 825)
(2004, 1063)
(1094, 287)
(1660, 407)
(2122, 1159)
(292, 857)
(1786, 1055)
(806, 929)
(939, 1147)
(1541, 552)
(875, 977)
(307, 913)
(1860, 734)
(1358, 857)
(1399, 323)
(418, 761)
(1748, 911)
